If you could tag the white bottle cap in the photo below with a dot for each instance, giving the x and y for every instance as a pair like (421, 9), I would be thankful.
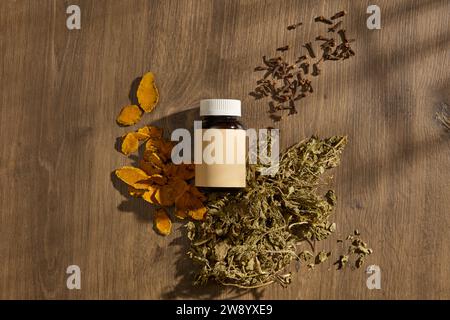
(220, 107)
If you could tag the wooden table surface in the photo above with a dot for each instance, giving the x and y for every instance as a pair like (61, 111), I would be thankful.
(61, 91)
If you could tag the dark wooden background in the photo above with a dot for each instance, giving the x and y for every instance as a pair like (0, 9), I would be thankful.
(61, 91)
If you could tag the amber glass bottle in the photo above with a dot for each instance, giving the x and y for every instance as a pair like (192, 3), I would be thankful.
(223, 145)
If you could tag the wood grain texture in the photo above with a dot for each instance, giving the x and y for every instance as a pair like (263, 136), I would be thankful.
(61, 91)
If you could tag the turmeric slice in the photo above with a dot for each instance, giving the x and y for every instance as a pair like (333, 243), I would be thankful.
(170, 170)
(166, 195)
(178, 185)
(149, 195)
(129, 115)
(191, 202)
(196, 193)
(153, 145)
(165, 150)
(185, 171)
(162, 222)
(158, 179)
(134, 177)
(197, 213)
(148, 167)
(130, 144)
(140, 136)
(147, 93)
(154, 159)
(155, 132)
(145, 131)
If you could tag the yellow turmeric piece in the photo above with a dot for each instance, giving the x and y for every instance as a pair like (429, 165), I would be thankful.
(197, 213)
(140, 136)
(170, 192)
(129, 144)
(191, 202)
(147, 93)
(155, 132)
(149, 195)
(154, 159)
(185, 171)
(158, 179)
(148, 167)
(134, 177)
(162, 222)
(148, 132)
(129, 115)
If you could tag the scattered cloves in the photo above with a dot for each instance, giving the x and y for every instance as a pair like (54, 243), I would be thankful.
(284, 83)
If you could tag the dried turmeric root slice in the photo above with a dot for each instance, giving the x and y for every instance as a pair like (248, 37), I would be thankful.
(152, 131)
(197, 213)
(148, 167)
(149, 195)
(147, 93)
(133, 177)
(191, 203)
(166, 195)
(162, 222)
(130, 144)
(129, 115)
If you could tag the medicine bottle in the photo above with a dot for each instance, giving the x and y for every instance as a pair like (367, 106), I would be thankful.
(223, 145)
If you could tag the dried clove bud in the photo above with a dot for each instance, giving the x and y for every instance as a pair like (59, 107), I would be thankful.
(323, 20)
(338, 15)
(316, 70)
(282, 49)
(308, 47)
(259, 68)
(343, 36)
(322, 38)
(294, 26)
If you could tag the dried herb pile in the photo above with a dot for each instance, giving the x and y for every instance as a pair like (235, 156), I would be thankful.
(285, 83)
(248, 239)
